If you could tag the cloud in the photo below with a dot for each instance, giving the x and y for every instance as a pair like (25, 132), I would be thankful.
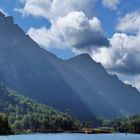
(46, 38)
(130, 23)
(4, 12)
(112, 4)
(73, 23)
(123, 55)
(52, 9)
(75, 30)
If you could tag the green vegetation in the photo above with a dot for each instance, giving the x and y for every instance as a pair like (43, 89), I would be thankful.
(25, 114)
(20, 114)
(4, 125)
(124, 125)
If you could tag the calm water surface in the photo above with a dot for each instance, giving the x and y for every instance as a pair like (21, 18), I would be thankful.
(72, 137)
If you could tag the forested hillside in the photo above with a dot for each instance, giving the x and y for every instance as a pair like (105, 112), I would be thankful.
(125, 125)
(27, 114)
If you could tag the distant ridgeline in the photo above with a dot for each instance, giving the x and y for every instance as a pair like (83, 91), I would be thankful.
(22, 114)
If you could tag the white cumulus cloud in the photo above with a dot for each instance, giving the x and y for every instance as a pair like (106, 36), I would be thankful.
(73, 23)
(74, 30)
(130, 22)
(52, 9)
(112, 4)
(123, 55)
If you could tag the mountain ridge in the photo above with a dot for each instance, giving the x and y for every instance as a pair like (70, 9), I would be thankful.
(87, 57)
(78, 86)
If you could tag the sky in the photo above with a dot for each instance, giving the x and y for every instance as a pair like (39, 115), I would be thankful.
(108, 30)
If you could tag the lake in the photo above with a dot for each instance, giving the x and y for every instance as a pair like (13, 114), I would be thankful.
(72, 137)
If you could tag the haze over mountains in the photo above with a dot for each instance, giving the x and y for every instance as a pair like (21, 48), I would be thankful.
(78, 86)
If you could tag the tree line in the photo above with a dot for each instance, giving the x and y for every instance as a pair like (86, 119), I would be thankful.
(23, 114)
(125, 125)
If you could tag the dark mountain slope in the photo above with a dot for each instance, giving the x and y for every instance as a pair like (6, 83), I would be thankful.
(120, 96)
(34, 72)
(78, 86)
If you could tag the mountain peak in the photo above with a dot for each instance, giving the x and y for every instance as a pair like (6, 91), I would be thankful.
(6, 21)
(85, 59)
(81, 57)
(84, 55)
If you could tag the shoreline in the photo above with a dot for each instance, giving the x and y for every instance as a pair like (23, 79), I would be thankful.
(82, 131)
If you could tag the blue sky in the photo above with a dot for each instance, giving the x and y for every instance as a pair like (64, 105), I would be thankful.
(108, 30)
(108, 17)
(24, 22)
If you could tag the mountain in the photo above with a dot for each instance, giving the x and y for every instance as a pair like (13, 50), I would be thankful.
(121, 97)
(79, 86)
(27, 114)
